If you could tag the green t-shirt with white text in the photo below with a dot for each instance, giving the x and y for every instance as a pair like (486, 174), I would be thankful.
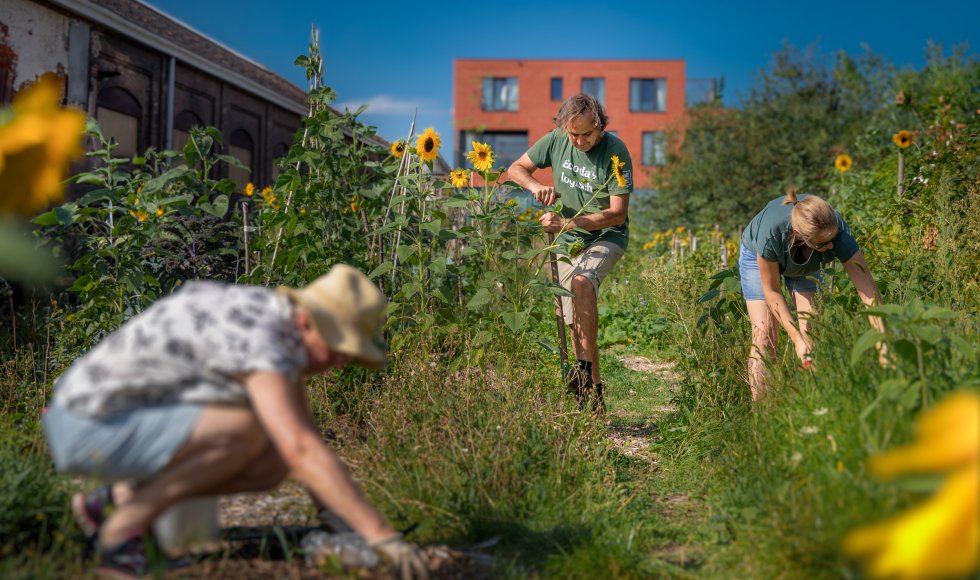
(580, 176)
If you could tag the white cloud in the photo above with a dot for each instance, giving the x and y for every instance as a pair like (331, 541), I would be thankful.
(385, 105)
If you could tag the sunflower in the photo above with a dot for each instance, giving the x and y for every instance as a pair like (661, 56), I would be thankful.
(938, 537)
(398, 148)
(843, 162)
(160, 211)
(427, 147)
(249, 189)
(903, 139)
(139, 215)
(459, 177)
(37, 144)
(618, 170)
(481, 157)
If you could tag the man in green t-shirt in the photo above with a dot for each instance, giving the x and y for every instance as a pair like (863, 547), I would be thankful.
(592, 169)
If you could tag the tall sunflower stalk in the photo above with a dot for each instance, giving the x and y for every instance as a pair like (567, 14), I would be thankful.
(903, 139)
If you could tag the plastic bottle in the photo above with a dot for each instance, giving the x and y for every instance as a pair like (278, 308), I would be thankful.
(348, 548)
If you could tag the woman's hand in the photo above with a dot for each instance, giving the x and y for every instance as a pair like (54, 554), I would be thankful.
(803, 348)
(883, 359)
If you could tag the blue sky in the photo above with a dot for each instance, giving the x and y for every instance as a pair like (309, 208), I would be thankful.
(398, 56)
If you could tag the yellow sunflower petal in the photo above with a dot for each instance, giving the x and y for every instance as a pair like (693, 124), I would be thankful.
(948, 437)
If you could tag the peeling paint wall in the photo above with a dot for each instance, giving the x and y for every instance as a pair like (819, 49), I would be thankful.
(33, 39)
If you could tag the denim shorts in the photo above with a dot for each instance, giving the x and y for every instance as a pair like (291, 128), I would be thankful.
(134, 444)
(751, 278)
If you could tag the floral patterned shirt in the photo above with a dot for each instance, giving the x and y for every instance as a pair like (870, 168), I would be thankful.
(186, 348)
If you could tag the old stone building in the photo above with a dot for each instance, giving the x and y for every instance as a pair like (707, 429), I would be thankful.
(148, 78)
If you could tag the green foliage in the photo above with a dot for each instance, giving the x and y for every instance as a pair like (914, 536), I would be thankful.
(792, 125)
(27, 519)
(147, 224)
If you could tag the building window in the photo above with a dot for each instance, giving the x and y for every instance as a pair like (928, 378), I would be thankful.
(500, 94)
(118, 113)
(648, 95)
(556, 89)
(507, 146)
(241, 147)
(595, 86)
(654, 148)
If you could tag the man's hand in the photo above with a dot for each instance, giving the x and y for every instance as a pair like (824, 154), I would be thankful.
(553, 223)
(404, 557)
(546, 195)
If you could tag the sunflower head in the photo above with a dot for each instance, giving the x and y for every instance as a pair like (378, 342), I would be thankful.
(38, 141)
(427, 146)
(160, 211)
(459, 177)
(481, 157)
(398, 148)
(843, 162)
(618, 166)
(249, 189)
(903, 139)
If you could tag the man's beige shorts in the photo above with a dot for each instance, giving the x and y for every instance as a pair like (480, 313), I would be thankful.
(594, 263)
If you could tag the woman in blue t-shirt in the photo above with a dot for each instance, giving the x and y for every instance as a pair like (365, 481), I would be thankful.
(794, 237)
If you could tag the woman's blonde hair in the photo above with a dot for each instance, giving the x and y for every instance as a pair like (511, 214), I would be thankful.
(812, 217)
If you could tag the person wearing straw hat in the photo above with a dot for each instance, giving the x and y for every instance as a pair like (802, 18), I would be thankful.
(201, 394)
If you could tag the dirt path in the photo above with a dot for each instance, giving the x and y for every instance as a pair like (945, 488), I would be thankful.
(633, 425)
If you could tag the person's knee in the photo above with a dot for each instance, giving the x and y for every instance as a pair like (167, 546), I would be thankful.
(582, 287)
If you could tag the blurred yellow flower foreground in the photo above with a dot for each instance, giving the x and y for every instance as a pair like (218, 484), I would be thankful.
(940, 537)
(37, 143)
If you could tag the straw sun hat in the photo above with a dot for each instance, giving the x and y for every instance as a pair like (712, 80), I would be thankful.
(347, 310)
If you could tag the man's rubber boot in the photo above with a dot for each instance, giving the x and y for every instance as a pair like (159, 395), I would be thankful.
(598, 400)
(579, 384)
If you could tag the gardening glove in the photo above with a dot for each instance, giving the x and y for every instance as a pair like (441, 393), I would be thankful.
(405, 558)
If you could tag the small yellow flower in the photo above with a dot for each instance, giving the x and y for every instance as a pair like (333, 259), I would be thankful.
(302, 211)
(903, 139)
(398, 148)
(36, 147)
(843, 162)
(539, 213)
(139, 215)
(353, 207)
(160, 211)
(521, 217)
(266, 191)
(269, 199)
(680, 230)
(618, 166)
(249, 189)
(511, 202)
(459, 177)
(481, 157)
(427, 146)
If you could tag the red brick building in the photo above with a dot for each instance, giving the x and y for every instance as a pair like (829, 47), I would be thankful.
(510, 104)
